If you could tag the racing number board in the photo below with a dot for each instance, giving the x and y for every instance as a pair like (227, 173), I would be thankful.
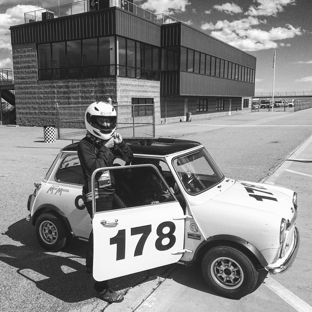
(132, 240)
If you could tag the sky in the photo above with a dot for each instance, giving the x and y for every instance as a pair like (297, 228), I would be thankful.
(258, 27)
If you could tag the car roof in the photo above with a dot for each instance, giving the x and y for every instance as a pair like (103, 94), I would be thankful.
(151, 146)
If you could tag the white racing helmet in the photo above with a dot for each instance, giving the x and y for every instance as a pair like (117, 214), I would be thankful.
(101, 109)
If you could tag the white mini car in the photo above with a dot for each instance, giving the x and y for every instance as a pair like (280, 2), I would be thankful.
(172, 204)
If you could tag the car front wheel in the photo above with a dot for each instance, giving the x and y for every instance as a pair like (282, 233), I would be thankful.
(51, 232)
(228, 272)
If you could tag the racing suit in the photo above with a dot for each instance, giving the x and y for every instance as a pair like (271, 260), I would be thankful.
(94, 154)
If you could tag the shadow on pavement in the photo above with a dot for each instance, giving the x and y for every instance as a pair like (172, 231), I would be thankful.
(60, 274)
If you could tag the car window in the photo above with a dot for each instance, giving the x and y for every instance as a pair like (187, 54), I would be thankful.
(137, 186)
(197, 171)
(70, 171)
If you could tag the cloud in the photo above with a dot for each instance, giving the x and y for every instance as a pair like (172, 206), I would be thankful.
(12, 16)
(269, 7)
(243, 34)
(305, 79)
(207, 11)
(6, 63)
(168, 7)
(188, 22)
(229, 8)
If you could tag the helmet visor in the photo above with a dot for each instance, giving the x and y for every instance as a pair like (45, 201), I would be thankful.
(104, 123)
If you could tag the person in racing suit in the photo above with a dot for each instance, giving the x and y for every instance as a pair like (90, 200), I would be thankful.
(98, 149)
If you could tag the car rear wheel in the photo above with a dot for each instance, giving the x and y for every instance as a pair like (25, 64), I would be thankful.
(51, 232)
(228, 272)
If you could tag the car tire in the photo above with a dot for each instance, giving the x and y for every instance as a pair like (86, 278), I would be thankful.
(51, 232)
(229, 272)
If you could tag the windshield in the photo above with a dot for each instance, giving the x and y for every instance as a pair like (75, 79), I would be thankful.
(197, 171)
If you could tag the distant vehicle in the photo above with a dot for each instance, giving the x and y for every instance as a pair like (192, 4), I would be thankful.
(280, 103)
(265, 104)
(291, 103)
(255, 104)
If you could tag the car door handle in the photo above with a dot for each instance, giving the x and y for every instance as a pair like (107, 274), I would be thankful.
(109, 224)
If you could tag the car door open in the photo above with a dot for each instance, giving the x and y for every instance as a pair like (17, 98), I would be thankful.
(147, 233)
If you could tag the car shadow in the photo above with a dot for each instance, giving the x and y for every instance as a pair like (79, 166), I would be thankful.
(60, 274)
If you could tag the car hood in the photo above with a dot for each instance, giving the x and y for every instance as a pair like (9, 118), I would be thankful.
(258, 196)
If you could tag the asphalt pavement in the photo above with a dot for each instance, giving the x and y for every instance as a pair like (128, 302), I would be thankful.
(274, 147)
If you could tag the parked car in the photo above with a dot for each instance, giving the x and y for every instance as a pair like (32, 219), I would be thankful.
(265, 104)
(172, 204)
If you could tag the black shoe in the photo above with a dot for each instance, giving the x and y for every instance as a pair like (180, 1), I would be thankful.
(111, 296)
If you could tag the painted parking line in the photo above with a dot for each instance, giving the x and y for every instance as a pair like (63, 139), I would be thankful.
(297, 303)
(300, 173)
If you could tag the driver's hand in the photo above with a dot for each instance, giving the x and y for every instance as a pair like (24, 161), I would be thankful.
(110, 143)
(117, 138)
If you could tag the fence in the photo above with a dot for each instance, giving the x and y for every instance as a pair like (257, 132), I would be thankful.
(83, 6)
(136, 120)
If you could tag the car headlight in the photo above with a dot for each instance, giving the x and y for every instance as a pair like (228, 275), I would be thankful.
(295, 196)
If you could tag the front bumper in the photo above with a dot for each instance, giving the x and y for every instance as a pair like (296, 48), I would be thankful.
(282, 265)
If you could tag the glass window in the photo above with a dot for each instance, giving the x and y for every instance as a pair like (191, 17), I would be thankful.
(70, 171)
(183, 59)
(155, 64)
(138, 55)
(230, 70)
(202, 63)
(197, 171)
(58, 55)
(130, 53)
(222, 68)
(213, 66)
(196, 62)
(226, 70)
(44, 55)
(142, 107)
(74, 53)
(190, 60)
(217, 67)
(89, 52)
(106, 51)
(208, 67)
(121, 43)
(147, 63)
(236, 71)
(220, 105)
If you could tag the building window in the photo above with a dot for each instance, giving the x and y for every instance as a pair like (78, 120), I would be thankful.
(202, 105)
(142, 107)
(213, 66)
(202, 63)
(220, 105)
(217, 67)
(196, 62)
(170, 59)
(183, 60)
(190, 60)
(208, 68)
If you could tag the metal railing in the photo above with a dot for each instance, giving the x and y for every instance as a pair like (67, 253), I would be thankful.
(82, 6)
(6, 75)
(284, 94)
(134, 120)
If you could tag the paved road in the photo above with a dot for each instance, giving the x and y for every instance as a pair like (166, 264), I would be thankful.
(247, 146)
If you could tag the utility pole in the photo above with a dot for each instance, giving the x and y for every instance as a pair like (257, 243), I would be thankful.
(274, 65)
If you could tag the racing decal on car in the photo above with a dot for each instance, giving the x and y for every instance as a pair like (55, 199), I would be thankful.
(165, 239)
(57, 190)
(253, 191)
(194, 236)
(193, 227)
(79, 202)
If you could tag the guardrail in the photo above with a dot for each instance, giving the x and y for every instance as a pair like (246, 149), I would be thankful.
(284, 94)
(82, 6)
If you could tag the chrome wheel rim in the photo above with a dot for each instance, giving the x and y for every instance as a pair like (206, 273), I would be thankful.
(227, 273)
(48, 232)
